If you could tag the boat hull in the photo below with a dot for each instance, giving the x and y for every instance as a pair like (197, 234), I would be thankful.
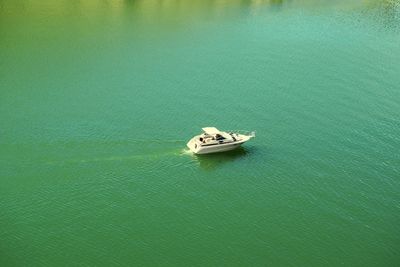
(217, 149)
(199, 149)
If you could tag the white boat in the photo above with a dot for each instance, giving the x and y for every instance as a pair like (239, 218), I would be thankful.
(213, 140)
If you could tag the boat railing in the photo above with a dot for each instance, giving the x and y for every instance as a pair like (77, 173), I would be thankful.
(244, 132)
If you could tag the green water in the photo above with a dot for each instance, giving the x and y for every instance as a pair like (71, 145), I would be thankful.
(98, 100)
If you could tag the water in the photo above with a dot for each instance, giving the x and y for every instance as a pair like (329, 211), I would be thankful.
(98, 99)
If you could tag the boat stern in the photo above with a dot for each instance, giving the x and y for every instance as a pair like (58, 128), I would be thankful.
(192, 144)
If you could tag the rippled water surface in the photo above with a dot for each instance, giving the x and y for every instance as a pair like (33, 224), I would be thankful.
(98, 99)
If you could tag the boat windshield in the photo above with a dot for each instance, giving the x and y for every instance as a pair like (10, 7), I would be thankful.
(219, 137)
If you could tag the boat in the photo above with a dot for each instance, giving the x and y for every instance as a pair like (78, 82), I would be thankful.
(213, 140)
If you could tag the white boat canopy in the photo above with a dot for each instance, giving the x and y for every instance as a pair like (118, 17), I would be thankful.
(211, 130)
(214, 131)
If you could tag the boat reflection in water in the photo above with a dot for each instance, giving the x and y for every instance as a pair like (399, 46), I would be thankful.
(214, 161)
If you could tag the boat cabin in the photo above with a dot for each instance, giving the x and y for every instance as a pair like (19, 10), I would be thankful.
(213, 136)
